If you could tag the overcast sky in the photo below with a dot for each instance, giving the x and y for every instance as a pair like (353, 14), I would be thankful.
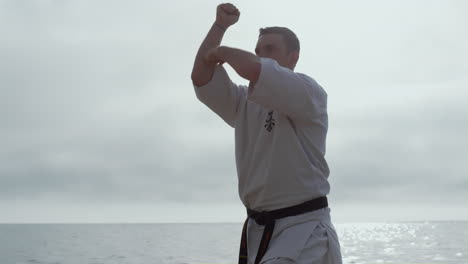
(100, 122)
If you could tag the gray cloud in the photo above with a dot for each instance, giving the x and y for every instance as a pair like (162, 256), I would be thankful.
(418, 152)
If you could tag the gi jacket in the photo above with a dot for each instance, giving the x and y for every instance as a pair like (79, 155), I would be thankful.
(280, 127)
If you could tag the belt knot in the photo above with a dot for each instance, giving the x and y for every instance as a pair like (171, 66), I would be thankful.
(261, 218)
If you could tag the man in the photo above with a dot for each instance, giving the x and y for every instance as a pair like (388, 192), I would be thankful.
(280, 123)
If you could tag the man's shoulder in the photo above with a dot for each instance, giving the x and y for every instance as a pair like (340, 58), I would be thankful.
(313, 83)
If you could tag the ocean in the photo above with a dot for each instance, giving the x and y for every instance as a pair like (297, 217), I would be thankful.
(361, 243)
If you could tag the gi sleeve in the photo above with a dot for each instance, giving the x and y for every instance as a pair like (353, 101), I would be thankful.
(294, 94)
(221, 95)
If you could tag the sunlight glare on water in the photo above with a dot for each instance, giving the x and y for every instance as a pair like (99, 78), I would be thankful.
(423, 242)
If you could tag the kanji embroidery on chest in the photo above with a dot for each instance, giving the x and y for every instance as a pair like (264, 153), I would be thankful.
(270, 122)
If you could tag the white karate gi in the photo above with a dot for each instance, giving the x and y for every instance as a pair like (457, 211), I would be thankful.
(280, 130)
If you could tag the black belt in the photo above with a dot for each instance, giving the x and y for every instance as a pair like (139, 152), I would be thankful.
(268, 218)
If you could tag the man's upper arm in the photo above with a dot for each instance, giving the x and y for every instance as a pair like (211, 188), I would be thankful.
(221, 95)
(288, 92)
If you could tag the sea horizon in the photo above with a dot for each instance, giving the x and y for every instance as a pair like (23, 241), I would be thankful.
(408, 242)
(240, 222)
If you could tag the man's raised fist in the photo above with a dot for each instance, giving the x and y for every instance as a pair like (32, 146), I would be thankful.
(227, 15)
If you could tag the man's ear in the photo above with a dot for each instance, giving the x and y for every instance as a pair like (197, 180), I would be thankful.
(293, 58)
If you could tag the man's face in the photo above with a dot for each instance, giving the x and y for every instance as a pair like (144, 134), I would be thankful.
(273, 46)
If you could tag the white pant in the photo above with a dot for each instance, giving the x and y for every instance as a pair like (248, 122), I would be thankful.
(303, 239)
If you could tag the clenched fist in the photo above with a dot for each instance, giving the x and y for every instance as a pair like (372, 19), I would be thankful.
(227, 15)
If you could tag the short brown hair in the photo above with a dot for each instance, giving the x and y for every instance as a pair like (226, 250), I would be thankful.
(291, 40)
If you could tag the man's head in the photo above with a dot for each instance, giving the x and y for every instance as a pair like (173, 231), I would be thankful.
(280, 44)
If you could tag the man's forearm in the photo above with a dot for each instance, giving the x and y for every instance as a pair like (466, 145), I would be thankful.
(246, 64)
(202, 70)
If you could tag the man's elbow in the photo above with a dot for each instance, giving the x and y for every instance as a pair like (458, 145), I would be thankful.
(200, 78)
(197, 80)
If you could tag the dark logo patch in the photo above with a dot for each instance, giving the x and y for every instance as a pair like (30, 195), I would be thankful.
(270, 122)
